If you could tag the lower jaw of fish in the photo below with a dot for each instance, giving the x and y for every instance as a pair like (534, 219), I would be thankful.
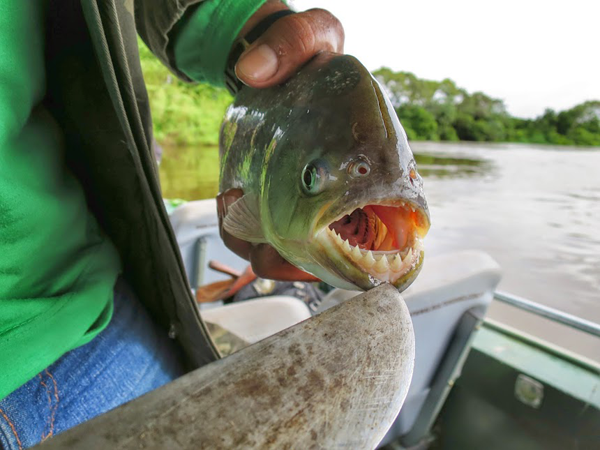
(371, 262)
(366, 269)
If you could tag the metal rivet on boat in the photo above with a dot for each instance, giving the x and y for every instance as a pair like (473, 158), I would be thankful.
(529, 391)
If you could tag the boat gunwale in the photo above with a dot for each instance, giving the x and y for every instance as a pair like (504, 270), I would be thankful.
(543, 345)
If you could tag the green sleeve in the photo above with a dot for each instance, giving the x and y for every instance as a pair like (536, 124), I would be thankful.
(203, 42)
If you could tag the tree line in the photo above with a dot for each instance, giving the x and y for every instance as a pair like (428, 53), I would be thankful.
(186, 114)
(442, 111)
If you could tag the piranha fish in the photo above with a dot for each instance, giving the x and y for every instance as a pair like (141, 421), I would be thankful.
(329, 179)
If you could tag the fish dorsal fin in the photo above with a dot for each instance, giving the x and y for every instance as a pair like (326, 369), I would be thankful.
(243, 220)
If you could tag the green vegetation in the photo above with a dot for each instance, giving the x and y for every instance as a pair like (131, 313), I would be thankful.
(182, 113)
(439, 110)
(191, 114)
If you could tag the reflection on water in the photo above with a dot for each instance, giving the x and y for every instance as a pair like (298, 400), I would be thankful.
(445, 166)
(536, 210)
(190, 173)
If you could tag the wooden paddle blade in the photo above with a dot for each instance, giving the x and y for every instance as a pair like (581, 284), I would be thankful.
(213, 291)
(220, 290)
(336, 380)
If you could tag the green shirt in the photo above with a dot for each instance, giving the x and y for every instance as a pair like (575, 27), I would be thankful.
(57, 268)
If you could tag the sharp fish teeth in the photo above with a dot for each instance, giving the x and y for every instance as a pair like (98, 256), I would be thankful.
(382, 265)
(397, 263)
(368, 260)
(356, 254)
(346, 246)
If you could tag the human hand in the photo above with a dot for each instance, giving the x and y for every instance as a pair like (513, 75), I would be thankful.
(287, 44)
(265, 261)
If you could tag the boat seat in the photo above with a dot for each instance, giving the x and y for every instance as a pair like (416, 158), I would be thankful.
(255, 320)
(447, 302)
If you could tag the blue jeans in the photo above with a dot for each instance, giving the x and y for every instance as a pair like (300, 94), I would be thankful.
(130, 357)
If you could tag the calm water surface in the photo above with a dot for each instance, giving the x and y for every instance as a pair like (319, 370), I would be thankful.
(536, 210)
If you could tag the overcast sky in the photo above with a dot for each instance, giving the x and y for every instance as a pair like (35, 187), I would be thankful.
(533, 54)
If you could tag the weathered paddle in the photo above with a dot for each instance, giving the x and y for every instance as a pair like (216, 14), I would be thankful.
(335, 380)
(220, 290)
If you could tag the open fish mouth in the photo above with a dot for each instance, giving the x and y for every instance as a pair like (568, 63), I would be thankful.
(384, 241)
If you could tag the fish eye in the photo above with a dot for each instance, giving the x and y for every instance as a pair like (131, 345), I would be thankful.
(359, 168)
(313, 178)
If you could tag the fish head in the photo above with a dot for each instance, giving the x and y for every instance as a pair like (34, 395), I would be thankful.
(342, 196)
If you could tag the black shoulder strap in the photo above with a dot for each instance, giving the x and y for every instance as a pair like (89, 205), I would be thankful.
(231, 80)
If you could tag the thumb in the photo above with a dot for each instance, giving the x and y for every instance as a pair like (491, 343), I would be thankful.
(287, 45)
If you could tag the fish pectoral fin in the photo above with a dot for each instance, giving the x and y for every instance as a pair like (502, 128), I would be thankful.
(243, 220)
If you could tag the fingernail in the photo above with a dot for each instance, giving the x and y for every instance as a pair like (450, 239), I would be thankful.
(259, 64)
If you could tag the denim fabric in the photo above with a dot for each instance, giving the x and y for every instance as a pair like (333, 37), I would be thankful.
(130, 357)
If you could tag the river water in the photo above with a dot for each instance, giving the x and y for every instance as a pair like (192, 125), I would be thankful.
(534, 209)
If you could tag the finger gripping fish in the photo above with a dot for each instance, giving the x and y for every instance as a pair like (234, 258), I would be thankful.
(329, 179)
